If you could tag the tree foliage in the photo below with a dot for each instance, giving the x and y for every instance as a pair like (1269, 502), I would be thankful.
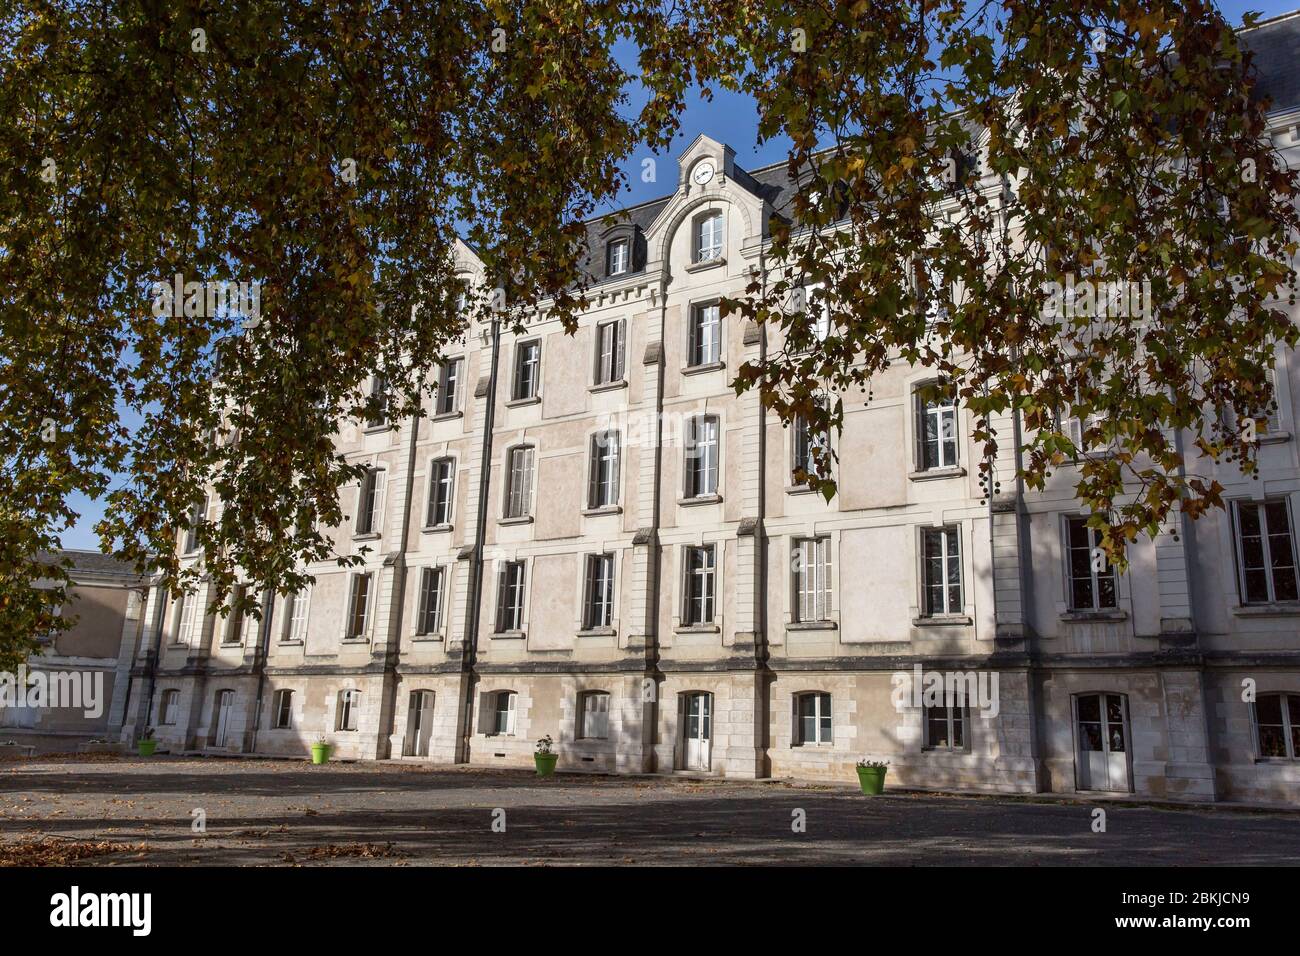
(952, 159)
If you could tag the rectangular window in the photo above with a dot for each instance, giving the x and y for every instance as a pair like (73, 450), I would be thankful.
(936, 424)
(602, 479)
(502, 714)
(359, 606)
(699, 586)
(598, 600)
(814, 719)
(198, 514)
(945, 728)
(441, 472)
(235, 623)
(1265, 552)
(349, 710)
(1277, 724)
(609, 352)
(806, 441)
(282, 708)
(519, 482)
(1092, 576)
(378, 416)
(618, 257)
(528, 362)
(370, 501)
(708, 238)
(448, 382)
(167, 709)
(812, 579)
(706, 335)
(942, 569)
(296, 616)
(702, 457)
(594, 716)
(430, 613)
(510, 597)
(186, 611)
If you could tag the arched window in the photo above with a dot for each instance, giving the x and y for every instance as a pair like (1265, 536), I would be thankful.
(349, 708)
(617, 257)
(282, 710)
(167, 709)
(812, 719)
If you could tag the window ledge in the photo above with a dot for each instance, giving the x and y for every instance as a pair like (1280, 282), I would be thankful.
(239, 643)
(942, 620)
(608, 386)
(437, 528)
(700, 500)
(446, 416)
(521, 519)
(812, 626)
(356, 640)
(376, 429)
(1273, 439)
(289, 642)
(696, 629)
(509, 635)
(798, 489)
(1106, 614)
(1267, 610)
(602, 510)
(930, 474)
(426, 638)
(366, 536)
(706, 367)
(703, 264)
(597, 632)
(520, 402)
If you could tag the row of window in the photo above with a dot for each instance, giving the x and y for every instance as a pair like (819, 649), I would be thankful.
(1277, 719)
(1264, 539)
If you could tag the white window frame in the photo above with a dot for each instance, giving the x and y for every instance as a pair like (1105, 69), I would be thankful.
(367, 616)
(446, 400)
(950, 534)
(436, 485)
(527, 384)
(708, 236)
(282, 709)
(499, 715)
(823, 713)
(1266, 547)
(954, 716)
(1095, 577)
(167, 705)
(599, 574)
(704, 349)
(516, 612)
(349, 707)
(186, 610)
(604, 470)
(296, 606)
(519, 499)
(616, 264)
(593, 722)
(610, 347)
(423, 628)
(707, 575)
(370, 501)
(702, 457)
(925, 411)
(1288, 727)
(810, 566)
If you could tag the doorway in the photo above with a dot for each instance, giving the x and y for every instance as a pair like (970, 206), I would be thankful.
(419, 724)
(697, 729)
(225, 705)
(1101, 729)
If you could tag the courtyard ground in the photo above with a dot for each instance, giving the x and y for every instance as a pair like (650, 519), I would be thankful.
(109, 810)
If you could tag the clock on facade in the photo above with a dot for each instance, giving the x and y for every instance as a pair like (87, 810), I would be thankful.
(703, 172)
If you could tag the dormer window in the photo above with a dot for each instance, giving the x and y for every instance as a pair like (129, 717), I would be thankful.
(708, 237)
(617, 257)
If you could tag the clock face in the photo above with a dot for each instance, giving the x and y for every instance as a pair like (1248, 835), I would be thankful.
(703, 172)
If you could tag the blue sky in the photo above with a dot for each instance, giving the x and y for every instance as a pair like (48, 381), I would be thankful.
(728, 118)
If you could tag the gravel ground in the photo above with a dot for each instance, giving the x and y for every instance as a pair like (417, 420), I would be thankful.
(131, 811)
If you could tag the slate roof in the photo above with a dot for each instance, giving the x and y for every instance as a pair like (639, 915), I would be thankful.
(1276, 46)
(92, 562)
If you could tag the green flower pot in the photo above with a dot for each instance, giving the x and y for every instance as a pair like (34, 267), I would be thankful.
(545, 764)
(872, 779)
(320, 753)
(146, 747)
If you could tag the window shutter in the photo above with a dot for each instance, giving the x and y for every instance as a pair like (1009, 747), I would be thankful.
(510, 713)
(377, 517)
(620, 347)
(593, 472)
(918, 406)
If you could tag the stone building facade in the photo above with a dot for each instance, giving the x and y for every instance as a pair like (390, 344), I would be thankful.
(659, 596)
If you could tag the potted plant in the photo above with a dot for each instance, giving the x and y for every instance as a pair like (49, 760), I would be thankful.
(146, 744)
(320, 750)
(871, 776)
(545, 757)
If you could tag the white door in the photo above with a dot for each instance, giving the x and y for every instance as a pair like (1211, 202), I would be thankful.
(225, 703)
(419, 723)
(697, 718)
(1102, 722)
